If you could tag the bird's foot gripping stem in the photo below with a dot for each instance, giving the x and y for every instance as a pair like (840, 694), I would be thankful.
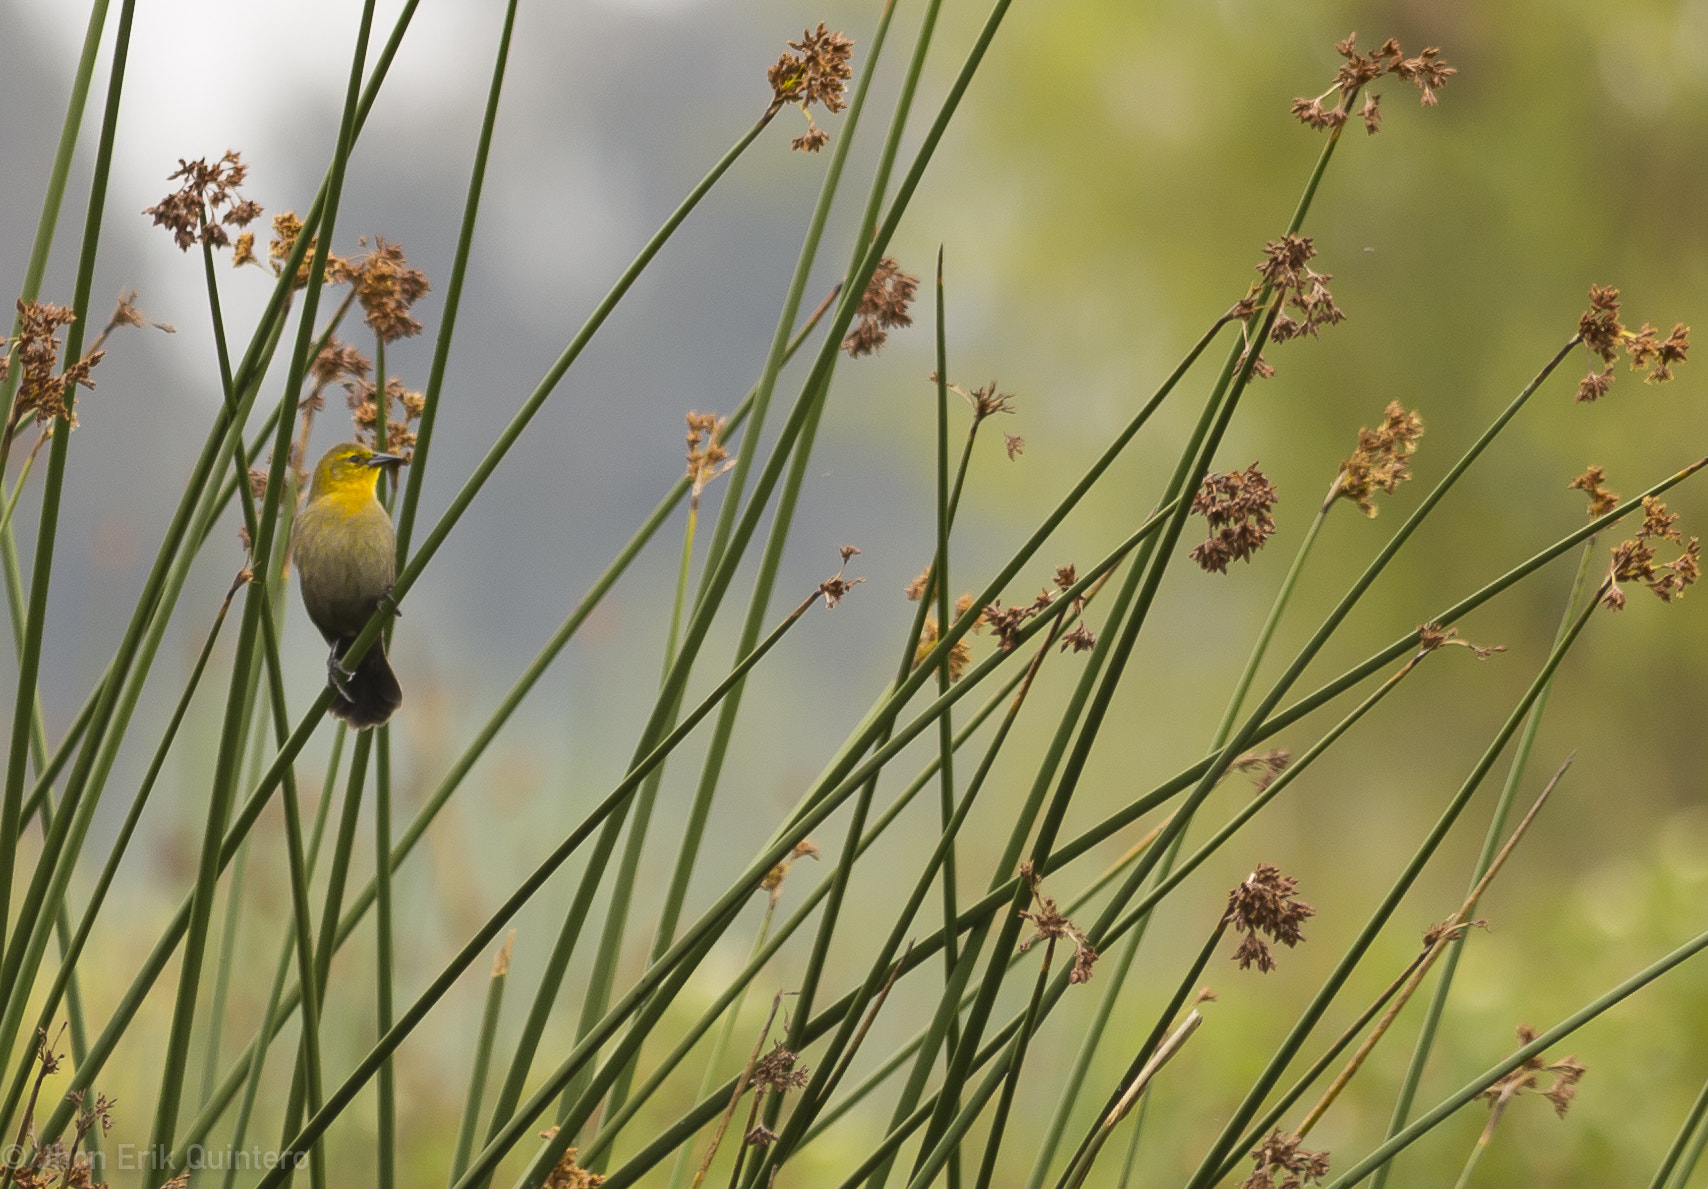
(337, 675)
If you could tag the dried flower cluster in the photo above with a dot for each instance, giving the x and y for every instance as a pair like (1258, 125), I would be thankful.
(287, 228)
(1283, 1164)
(836, 587)
(1053, 926)
(960, 652)
(987, 402)
(1237, 506)
(1601, 500)
(53, 1164)
(806, 848)
(192, 212)
(883, 308)
(1426, 72)
(1634, 560)
(1382, 460)
(386, 287)
(776, 1071)
(1266, 905)
(707, 458)
(817, 72)
(1006, 622)
(403, 409)
(1285, 269)
(1600, 330)
(1263, 767)
(43, 390)
(338, 361)
(1431, 636)
(1567, 1073)
(567, 1174)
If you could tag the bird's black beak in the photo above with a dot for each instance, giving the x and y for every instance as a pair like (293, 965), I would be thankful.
(385, 460)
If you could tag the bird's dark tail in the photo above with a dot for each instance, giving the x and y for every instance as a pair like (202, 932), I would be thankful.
(370, 694)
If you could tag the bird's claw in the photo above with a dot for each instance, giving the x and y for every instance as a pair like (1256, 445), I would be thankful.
(390, 604)
(337, 675)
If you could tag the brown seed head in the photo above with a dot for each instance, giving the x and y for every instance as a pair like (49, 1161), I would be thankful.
(836, 587)
(1431, 636)
(1237, 506)
(1426, 72)
(1053, 926)
(1283, 1164)
(817, 72)
(1601, 500)
(1264, 767)
(1382, 460)
(776, 1071)
(1265, 904)
(987, 402)
(1371, 113)
(1600, 330)
(707, 458)
(337, 361)
(387, 287)
(34, 352)
(567, 1174)
(960, 653)
(1635, 560)
(812, 140)
(192, 212)
(883, 307)
(1567, 1072)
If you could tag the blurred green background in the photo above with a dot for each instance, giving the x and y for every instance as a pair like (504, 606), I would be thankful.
(1102, 196)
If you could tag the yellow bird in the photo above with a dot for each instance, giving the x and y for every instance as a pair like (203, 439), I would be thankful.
(345, 552)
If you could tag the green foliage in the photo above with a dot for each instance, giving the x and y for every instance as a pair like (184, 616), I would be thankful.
(990, 987)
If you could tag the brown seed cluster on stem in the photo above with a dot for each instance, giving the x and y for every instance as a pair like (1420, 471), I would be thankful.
(806, 848)
(1601, 500)
(988, 402)
(835, 588)
(960, 652)
(567, 1174)
(1567, 1072)
(386, 287)
(707, 458)
(1427, 72)
(1635, 560)
(44, 389)
(1283, 1164)
(816, 72)
(1263, 767)
(1266, 904)
(1237, 506)
(1052, 926)
(287, 228)
(1285, 269)
(883, 307)
(1006, 622)
(1431, 636)
(192, 213)
(1284, 277)
(1382, 460)
(1600, 330)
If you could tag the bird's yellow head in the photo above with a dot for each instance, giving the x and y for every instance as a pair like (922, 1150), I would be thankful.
(349, 469)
